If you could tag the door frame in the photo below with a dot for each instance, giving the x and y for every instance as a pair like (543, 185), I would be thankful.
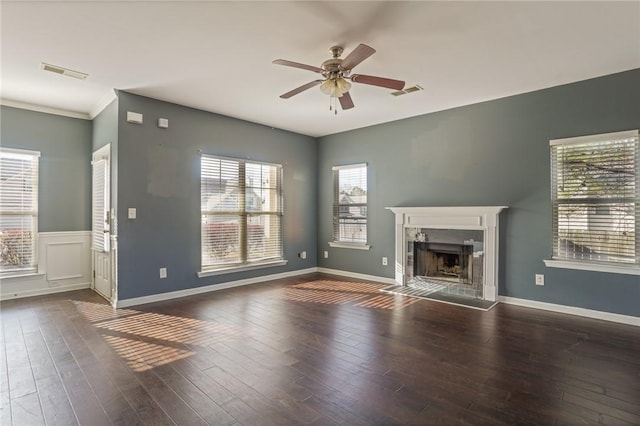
(104, 152)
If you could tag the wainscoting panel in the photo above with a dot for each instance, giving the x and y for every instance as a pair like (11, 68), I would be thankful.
(64, 263)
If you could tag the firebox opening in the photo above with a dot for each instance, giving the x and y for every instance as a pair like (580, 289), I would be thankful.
(448, 264)
(444, 261)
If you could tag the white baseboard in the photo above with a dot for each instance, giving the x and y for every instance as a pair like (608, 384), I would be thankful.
(572, 310)
(208, 288)
(375, 278)
(44, 291)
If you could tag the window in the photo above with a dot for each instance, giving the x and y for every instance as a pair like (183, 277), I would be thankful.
(595, 186)
(350, 206)
(241, 204)
(18, 211)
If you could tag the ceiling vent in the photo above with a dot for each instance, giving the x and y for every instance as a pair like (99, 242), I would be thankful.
(408, 90)
(64, 71)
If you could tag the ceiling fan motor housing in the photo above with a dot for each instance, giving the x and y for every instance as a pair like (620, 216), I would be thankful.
(332, 66)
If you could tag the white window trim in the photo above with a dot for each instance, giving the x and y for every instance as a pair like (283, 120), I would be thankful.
(356, 246)
(627, 134)
(248, 266)
(344, 244)
(20, 151)
(35, 270)
(591, 266)
(232, 269)
(586, 265)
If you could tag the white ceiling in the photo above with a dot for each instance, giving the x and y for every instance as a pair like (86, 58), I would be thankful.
(216, 56)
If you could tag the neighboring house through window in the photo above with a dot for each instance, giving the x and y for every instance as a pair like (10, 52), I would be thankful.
(241, 207)
(595, 185)
(350, 206)
(18, 211)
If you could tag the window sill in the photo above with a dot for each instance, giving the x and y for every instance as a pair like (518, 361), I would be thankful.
(355, 246)
(595, 267)
(232, 269)
(21, 275)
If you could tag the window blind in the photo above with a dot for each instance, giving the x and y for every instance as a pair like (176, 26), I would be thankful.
(241, 205)
(18, 209)
(350, 203)
(99, 214)
(595, 185)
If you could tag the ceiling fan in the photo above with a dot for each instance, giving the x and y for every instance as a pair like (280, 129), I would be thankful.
(336, 72)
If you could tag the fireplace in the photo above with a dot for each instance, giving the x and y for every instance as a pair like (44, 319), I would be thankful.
(450, 248)
(445, 261)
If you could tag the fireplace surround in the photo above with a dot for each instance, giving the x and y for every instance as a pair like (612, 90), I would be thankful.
(424, 229)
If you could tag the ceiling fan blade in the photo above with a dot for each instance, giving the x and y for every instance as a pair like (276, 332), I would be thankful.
(345, 101)
(378, 81)
(357, 55)
(301, 89)
(297, 65)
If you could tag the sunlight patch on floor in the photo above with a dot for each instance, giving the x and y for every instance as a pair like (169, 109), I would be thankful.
(142, 356)
(147, 339)
(365, 295)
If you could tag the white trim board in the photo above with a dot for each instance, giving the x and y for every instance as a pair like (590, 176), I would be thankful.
(208, 288)
(60, 234)
(572, 310)
(44, 291)
(44, 109)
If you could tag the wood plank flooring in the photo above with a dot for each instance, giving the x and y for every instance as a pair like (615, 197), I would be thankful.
(317, 350)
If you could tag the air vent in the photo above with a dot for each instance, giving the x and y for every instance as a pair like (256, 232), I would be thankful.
(64, 71)
(411, 89)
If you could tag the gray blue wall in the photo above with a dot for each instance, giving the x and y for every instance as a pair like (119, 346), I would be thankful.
(492, 153)
(65, 171)
(105, 131)
(159, 172)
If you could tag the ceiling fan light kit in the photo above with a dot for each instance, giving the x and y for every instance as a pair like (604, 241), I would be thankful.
(336, 73)
(335, 87)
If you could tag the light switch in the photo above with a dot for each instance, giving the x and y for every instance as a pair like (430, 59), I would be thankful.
(132, 213)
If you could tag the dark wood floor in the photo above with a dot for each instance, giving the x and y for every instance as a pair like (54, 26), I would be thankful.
(311, 350)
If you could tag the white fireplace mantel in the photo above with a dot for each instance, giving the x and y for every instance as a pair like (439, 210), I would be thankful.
(483, 218)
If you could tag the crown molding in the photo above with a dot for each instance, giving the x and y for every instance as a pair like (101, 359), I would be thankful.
(45, 109)
(104, 102)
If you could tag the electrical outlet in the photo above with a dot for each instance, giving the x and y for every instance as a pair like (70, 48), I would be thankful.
(384, 261)
(539, 279)
(326, 254)
(163, 272)
(302, 255)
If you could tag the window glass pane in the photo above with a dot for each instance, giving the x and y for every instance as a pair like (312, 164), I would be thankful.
(16, 242)
(263, 239)
(220, 181)
(220, 240)
(596, 170)
(603, 232)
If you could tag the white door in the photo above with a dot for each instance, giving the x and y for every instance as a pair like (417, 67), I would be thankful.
(100, 224)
